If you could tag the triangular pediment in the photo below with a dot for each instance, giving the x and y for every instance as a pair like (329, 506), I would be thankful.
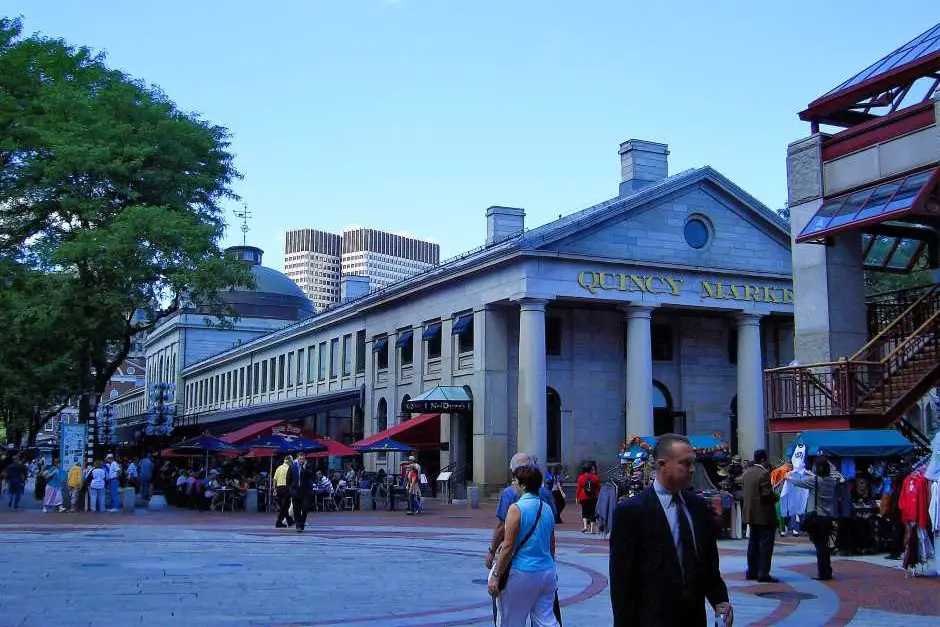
(729, 232)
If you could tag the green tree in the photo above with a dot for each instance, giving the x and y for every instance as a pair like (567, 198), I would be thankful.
(39, 363)
(105, 183)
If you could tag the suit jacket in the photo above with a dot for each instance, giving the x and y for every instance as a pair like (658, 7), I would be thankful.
(645, 573)
(300, 480)
(759, 497)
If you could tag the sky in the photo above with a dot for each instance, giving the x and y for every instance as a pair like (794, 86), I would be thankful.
(415, 116)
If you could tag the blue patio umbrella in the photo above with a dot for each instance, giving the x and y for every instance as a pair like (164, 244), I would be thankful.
(387, 445)
(282, 444)
(203, 444)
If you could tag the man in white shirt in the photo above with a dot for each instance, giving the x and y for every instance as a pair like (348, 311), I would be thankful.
(114, 486)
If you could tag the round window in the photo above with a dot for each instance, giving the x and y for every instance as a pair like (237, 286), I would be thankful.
(696, 233)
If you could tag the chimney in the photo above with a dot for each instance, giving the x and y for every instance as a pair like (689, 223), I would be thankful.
(503, 222)
(642, 163)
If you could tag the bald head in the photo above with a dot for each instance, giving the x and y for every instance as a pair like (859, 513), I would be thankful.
(519, 460)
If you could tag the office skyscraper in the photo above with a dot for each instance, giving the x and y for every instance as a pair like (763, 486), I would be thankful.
(317, 260)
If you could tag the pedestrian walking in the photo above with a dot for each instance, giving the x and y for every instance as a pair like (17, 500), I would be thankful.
(760, 515)
(553, 481)
(300, 478)
(55, 476)
(97, 482)
(145, 472)
(664, 549)
(523, 579)
(282, 493)
(820, 510)
(113, 470)
(16, 474)
(587, 492)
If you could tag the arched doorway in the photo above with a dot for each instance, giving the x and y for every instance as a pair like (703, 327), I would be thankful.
(553, 422)
(381, 416)
(404, 414)
(663, 418)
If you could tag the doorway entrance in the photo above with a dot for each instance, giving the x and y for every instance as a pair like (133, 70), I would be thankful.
(553, 422)
(665, 420)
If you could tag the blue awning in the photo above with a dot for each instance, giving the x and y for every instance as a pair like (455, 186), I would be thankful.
(462, 324)
(853, 443)
(404, 338)
(380, 344)
(431, 331)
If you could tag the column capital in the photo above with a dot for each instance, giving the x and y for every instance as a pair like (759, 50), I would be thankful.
(637, 311)
(532, 304)
(746, 319)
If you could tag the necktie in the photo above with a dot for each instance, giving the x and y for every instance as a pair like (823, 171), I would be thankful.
(686, 546)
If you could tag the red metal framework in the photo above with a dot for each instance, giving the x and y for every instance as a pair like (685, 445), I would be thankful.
(890, 200)
(905, 76)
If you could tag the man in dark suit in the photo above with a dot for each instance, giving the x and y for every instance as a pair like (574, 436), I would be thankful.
(761, 515)
(664, 549)
(300, 479)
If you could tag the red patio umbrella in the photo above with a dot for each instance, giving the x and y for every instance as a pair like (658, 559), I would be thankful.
(333, 449)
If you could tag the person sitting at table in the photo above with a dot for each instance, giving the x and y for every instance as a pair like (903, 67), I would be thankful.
(214, 494)
(379, 488)
(324, 489)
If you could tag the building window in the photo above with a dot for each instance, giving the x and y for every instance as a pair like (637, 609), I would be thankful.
(347, 355)
(280, 372)
(322, 361)
(254, 379)
(334, 358)
(733, 346)
(463, 329)
(290, 369)
(406, 345)
(553, 336)
(360, 352)
(311, 364)
(264, 376)
(380, 348)
(300, 366)
(661, 342)
(241, 382)
(432, 336)
(697, 232)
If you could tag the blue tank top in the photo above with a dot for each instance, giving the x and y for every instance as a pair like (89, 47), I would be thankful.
(536, 555)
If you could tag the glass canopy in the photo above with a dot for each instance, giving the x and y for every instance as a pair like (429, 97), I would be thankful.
(889, 253)
(922, 46)
(871, 205)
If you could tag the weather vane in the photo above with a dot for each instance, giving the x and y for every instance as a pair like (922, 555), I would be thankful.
(244, 215)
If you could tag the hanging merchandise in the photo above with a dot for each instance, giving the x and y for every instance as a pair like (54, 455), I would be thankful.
(793, 499)
(848, 467)
(799, 458)
(932, 473)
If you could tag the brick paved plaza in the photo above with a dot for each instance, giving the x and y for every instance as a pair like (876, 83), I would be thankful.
(380, 568)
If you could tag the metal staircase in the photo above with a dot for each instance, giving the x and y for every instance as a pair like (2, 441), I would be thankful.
(876, 386)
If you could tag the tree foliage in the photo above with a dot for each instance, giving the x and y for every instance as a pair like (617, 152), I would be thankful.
(110, 188)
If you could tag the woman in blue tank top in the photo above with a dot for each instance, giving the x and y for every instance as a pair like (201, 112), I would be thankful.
(528, 551)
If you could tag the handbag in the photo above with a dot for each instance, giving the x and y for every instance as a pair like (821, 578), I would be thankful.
(504, 576)
(810, 521)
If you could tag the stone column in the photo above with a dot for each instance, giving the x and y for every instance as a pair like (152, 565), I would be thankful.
(639, 371)
(533, 378)
(751, 426)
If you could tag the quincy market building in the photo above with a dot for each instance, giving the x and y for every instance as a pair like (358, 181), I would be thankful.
(655, 311)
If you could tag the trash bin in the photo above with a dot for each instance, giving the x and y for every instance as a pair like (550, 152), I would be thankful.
(251, 500)
(473, 495)
(365, 499)
(128, 499)
(157, 502)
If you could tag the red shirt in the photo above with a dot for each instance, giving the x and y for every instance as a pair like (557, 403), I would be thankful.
(581, 495)
(914, 501)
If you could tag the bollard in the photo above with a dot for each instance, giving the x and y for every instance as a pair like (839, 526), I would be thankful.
(157, 502)
(473, 495)
(128, 500)
(251, 500)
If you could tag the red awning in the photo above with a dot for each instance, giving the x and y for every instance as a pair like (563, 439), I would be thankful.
(251, 431)
(334, 449)
(417, 432)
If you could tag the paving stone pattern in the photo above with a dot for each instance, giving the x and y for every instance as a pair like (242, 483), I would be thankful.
(215, 570)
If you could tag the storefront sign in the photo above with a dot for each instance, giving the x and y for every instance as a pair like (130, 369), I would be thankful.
(657, 285)
(72, 442)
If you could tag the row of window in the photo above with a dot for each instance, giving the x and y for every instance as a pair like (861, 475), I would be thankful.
(295, 368)
(431, 339)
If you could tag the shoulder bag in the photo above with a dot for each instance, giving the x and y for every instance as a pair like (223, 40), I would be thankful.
(811, 519)
(504, 576)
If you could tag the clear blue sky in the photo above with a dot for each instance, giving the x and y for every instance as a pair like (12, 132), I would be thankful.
(416, 115)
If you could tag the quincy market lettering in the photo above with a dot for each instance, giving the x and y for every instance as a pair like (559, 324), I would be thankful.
(655, 285)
